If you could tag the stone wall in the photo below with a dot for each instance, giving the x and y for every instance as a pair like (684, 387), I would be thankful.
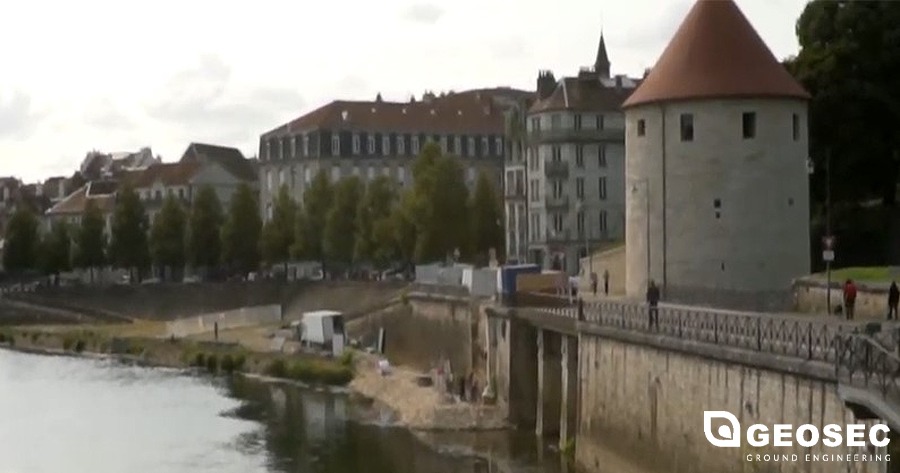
(810, 296)
(612, 260)
(243, 317)
(644, 406)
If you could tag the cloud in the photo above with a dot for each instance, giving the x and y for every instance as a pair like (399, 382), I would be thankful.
(203, 103)
(659, 31)
(17, 116)
(427, 13)
(104, 114)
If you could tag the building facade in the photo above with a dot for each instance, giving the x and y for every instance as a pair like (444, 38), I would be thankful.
(368, 139)
(717, 178)
(574, 165)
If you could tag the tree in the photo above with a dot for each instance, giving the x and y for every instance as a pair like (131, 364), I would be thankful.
(20, 251)
(56, 249)
(486, 219)
(128, 247)
(90, 239)
(278, 233)
(340, 222)
(204, 239)
(404, 228)
(849, 65)
(167, 237)
(437, 205)
(240, 235)
(375, 241)
(311, 225)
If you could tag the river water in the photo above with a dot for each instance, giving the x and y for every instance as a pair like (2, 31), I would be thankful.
(63, 414)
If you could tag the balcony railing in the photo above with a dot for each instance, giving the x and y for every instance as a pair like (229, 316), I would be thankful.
(515, 192)
(557, 204)
(556, 169)
(612, 135)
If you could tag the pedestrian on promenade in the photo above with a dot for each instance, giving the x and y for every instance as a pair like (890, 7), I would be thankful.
(893, 299)
(216, 330)
(652, 305)
(606, 282)
(849, 298)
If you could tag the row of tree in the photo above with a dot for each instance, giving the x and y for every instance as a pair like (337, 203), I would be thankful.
(340, 224)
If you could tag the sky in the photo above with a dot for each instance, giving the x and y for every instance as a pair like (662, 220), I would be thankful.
(117, 76)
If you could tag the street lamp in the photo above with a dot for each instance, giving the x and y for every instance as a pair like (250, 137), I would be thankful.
(646, 184)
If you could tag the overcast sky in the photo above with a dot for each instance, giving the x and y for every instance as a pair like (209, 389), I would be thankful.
(117, 75)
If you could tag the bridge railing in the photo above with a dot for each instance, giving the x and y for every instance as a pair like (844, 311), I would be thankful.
(806, 338)
(869, 360)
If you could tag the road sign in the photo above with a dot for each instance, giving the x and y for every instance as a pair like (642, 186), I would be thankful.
(828, 243)
(828, 255)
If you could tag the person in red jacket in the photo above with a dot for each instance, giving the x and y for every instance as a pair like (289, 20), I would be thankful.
(849, 298)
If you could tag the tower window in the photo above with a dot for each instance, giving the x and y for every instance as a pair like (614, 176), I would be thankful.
(748, 121)
(687, 127)
(717, 203)
(795, 126)
(641, 127)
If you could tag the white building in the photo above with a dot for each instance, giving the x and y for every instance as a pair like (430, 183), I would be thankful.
(716, 173)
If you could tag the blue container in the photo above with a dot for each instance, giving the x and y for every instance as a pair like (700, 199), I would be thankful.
(508, 276)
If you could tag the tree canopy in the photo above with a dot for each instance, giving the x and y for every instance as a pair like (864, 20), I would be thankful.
(167, 236)
(486, 219)
(128, 247)
(278, 232)
(340, 222)
(204, 232)
(20, 251)
(56, 249)
(317, 199)
(90, 239)
(375, 239)
(240, 235)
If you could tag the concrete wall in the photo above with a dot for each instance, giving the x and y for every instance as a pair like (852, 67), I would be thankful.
(644, 406)
(424, 331)
(757, 239)
(243, 317)
(810, 296)
(612, 260)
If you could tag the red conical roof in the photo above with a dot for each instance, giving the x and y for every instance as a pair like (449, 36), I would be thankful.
(716, 53)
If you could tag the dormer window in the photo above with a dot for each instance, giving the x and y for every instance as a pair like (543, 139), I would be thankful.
(470, 145)
(687, 127)
(305, 145)
(293, 146)
(386, 144)
(401, 145)
(356, 144)
(415, 144)
(599, 123)
(371, 140)
(498, 146)
(485, 146)
(335, 145)
(457, 145)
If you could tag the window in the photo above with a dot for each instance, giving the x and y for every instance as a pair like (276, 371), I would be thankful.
(601, 156)
(577, 119)
(386, 171)
(535, 190)
(535, 226)
(498, 146)
(602, 223)
(471, 178)
(401, 145)
(281, 148)
(356, 144)
(386, 144)
(601, 188)
(158, 194)
(485, 146)
(457, 145)
(415, 145)
(748, 123)
(579, 187)
(687, 127)
(268, 152)
(795, 126)
(281, 178)
(305, 145)
(293, 146)
(307, 175)
(335, 145)
(371, 141)
(269, 180)
(335, 173)
(579, 156)
(181, 193)
(599, 122)
(401, 175)
(579, 223)
(641, 127)
(536, 124)
(557, 189)
(557, 223)
(556, 154)
(444, 144)
(555, 121)
(532, 160)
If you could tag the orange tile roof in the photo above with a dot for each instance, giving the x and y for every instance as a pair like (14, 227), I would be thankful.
(75, 203)
(716, 53)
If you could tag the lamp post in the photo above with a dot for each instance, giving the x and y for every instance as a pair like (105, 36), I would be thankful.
(646, 184)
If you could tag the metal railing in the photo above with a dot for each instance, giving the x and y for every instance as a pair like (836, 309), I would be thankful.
(869, 360)
(806, 338)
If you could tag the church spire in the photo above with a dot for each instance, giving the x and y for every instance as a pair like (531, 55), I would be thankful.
(601, 65)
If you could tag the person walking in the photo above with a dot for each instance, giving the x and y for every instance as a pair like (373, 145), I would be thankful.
(849, 298)
(652, 305)
(893, 299)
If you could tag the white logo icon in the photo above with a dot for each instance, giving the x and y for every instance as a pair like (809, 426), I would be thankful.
(728, 435)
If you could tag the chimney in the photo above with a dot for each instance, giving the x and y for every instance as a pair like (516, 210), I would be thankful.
(412, 99)
(619, 82)
(378, 97)
(546, 84)
(428, 96)
(646, 73)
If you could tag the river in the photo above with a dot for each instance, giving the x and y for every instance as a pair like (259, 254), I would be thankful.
(100, 416)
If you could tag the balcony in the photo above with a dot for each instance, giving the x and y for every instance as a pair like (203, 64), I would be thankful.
(553, 236)
(556, 170)
(557, 204)
(571, 135)
(515, 192)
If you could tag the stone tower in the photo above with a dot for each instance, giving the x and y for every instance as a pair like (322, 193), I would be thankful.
(716, 145)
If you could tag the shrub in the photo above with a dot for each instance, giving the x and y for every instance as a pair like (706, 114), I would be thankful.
(277, 368)
(79, 346)
(239, 361)
(212, 363)
(68, 343)
(227, 364)
(103, 346)
(347, 358)
(135, 349)
(313, 372)
(199, 360)
(2, 337)
(35, 336)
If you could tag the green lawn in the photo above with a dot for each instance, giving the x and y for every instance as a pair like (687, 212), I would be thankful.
(864, 274)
